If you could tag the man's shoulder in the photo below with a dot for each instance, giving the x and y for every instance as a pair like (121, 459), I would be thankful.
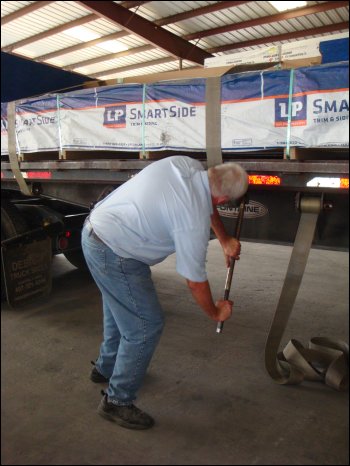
(184, 162)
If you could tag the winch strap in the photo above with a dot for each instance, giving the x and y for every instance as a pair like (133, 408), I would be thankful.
(325, 359)
(213, 121)
(143, 128)
(11, 133)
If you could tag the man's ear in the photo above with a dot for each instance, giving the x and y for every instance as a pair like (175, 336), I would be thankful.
(217, 200)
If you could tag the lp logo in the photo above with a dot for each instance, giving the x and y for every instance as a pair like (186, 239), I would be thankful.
(114, 117)
(297, 111)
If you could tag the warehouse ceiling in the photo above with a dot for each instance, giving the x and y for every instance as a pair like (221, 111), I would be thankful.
(110, 40)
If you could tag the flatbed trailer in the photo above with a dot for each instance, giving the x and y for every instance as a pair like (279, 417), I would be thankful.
(49, 184)
(299, 202)
(62, 193)
(297, 196)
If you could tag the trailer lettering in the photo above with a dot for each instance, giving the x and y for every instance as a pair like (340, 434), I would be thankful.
(250, 208)
(19, 274)
(39, 120)
(296, 108)
(165, 112)
(325, 106)
(342, 118)
(31, 264)
(322, 120)
(29, 121)
(46, 120)
(253, 209)
(20, 264)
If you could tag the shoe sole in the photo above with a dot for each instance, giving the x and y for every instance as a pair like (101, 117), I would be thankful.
(121, 422)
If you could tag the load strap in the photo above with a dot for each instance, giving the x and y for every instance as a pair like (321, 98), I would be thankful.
(11, 132)
(325, 359)
(213, 121)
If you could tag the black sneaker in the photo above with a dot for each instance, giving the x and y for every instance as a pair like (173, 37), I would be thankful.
(96, 377)
(128, 416)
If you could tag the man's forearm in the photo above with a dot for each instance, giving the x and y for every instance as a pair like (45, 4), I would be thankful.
(202, 294)
(230, 245)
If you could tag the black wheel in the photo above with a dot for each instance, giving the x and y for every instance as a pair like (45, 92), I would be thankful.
(77, 259)
(12, 224)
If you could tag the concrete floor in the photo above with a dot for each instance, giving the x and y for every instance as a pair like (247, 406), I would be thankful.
(210, 395)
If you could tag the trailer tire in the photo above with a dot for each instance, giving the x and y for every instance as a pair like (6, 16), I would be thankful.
(77, 259)
(12, 224)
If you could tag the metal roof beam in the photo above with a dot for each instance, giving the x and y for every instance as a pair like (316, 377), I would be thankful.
(279, 37)
(159, 22)
(149, 31)
(223, 48)
(23, 11)
(110, 56)
(90, 43)
(163, 21)
(123, 69)
(319, 8)
(131, 4)
(197, 12)
(61, 28)
(81, 46)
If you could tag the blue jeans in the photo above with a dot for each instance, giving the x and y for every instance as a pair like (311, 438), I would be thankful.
(132, 317)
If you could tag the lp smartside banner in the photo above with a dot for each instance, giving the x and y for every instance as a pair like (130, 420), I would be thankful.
(305, 107)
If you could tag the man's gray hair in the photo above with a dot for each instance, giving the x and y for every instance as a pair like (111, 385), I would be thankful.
(228, 179)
